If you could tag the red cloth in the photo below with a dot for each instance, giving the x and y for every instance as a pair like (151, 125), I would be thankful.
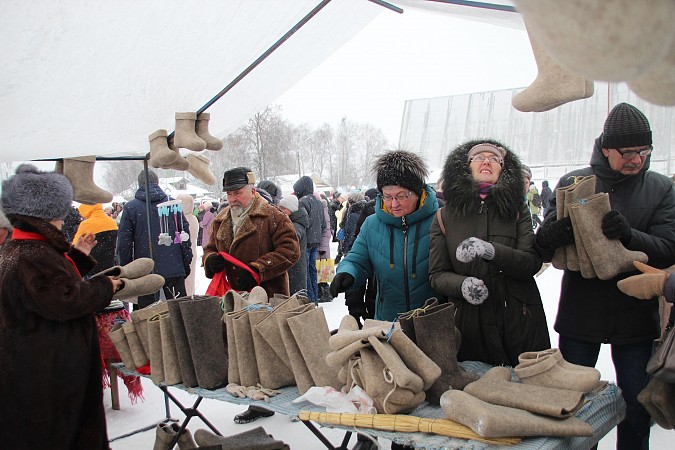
(29, 235)
(220, 285)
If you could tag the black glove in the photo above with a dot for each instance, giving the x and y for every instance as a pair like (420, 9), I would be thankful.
(341, 282)
(244, 280)
(358, 311)
(555, 234)
(215, 263)
(616, 226)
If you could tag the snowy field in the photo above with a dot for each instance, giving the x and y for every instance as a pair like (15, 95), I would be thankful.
(152, 410)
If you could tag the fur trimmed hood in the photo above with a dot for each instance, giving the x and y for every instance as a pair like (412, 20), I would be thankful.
(459, 188)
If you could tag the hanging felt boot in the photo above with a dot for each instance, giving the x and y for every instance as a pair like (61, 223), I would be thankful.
(609, 256)
(199, 168)
(187, 369)
(180, 163)
(155, 344)
(436, 337)
(161, 156)
(185, 135)
(169, 353)
(202, 129)
(302, 375)
(554, 85)
(657, 85)
(80, 172)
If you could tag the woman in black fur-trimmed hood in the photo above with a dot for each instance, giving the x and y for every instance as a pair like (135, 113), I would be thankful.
(483, 259)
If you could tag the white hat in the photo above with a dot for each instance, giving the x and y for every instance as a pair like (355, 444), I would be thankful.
(290, 202)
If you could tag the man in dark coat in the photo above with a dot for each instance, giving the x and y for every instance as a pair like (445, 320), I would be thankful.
(546, 195)
(304, 189)
(593, 311)
(171, 261)
(50, 360)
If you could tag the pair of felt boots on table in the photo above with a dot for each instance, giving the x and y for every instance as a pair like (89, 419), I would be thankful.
(256, 438)
(136, 278)
(592, 254)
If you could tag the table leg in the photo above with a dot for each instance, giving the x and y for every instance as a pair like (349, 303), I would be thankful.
(114, 389)
(329, 445)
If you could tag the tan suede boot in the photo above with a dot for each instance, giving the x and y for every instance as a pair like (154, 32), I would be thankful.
(415, 359)
(202, 129)
(180, 163)
(80, 172)
(185, 135)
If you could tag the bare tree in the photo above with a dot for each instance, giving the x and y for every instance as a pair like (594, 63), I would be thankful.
(120, 177)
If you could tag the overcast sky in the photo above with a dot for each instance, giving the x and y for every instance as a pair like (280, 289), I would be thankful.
(399, 57)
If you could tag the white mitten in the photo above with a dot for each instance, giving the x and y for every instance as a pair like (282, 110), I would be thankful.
(472, 248)
(474, 290)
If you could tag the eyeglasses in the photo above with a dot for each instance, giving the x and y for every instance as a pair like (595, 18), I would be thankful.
(400, 197)
(630, 154)
(491, 159)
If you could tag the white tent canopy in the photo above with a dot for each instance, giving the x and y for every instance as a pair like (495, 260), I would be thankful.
(94, 77)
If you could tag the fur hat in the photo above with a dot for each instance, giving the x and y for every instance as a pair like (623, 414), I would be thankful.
(290, 202)
(152, 178)
(626, 126)
(31, 192)
(237, 178)
(401, 168)
(4, 222)
(486, 147)
(355, 196)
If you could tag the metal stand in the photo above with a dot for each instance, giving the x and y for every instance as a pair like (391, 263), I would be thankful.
(189, 414)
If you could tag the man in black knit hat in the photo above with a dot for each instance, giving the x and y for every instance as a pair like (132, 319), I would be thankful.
(593, 311)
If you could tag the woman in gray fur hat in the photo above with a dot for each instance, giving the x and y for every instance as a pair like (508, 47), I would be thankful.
(50, 359)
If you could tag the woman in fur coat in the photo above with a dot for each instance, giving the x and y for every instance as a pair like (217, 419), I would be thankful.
(51, 395)
(482, 257)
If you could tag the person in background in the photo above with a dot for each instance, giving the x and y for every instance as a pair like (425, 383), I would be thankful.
(269, 187)
(50, 358)
(439, 193)
(335, 206)
(5, 228)
(546, 194)
(532, 197)
(71, 223)
(297, 274)
(324, 246)
(482, 255)
(259, 235)
(97, 222)
(171, 261)
(205, 221)
(592, 312)
(193, 230)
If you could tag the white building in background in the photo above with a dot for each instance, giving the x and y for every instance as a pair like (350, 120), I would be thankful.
(551, 143)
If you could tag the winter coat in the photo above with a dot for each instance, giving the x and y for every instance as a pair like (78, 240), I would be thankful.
(266, 241)
(297, 274)
(350, 225)
(205, 224)
(50, 360)
(327, 235)
(594, 310)
(534, 209)
(396, 250)
(133, 242)
(335, 206)
(304, 188)
(546, 194)
(511, 320)
(98, 222)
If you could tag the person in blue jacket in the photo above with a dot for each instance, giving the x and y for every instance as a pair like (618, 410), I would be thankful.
(393, 243)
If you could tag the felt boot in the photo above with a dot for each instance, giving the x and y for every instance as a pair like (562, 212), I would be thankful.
(166, 432)
(496, 387)
(246, 357)
(169, 353)
(161, 156)
(137, 352)
(135, 269)
(415, 359)
(405, 319)
(199, 168)
(140, 320)
(553, 86)
(268, 328)
(274, 371)
(582, 188)
(203, 327)
(185, 135)
(657, 398)
(119, 340)
(657, 85)
(348, 332)
(180, 163)
(302, 375)
(156, 355)
(311, 333)
(145, 285)
(256, 438)
(80, 172)
(585, 263)
(609, 256)
(436, 337)
(404, 377)
(548, 368)
(187, 370)
(494, 421)
(202, 130)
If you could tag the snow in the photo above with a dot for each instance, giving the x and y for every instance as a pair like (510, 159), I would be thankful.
(148, 413)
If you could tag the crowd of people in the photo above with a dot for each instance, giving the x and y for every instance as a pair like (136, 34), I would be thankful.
(475, 243)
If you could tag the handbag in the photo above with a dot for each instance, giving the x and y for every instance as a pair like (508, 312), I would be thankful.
(662, 363)
(325, 269)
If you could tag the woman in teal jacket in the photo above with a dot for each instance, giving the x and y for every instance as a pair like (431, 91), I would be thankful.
(393, 243)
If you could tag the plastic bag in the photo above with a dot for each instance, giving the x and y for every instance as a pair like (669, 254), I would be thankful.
(354, 402)
(325, 270)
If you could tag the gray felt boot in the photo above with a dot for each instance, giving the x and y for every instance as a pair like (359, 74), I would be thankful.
(187, 369)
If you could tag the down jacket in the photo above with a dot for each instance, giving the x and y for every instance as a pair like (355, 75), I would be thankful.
(304, 188)
(50, 361)
(511, 320)
(396, 250)
(266, 241)
(648, 202)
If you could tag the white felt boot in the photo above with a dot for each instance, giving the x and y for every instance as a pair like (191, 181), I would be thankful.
(202, 129)
(80, 172)
(199, 168)
(161, 156)
(185, 135)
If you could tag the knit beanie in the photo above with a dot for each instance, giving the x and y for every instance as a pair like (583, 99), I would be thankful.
(290, 202)
(401, 168)
(486, 147)
(31, 192)
(626, 126)
(152, 178)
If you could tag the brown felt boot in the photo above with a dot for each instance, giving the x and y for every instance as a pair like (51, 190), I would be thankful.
(246, 357)
(119, 340)
(548, 368)
(275, 372)
(187, 369)
(415, 359)
(202, 130)
(161, 156)
(169, 354)
(203, 326)
(405, 319)
(268, 328)
(609, 256)
(185, 135)
(496, 387)
(155, 344)
(436, 337)
(80, 172)
(494, 421)
(302, 375)
(582, 188)
(137, 352)
(166, 432)
(233, 364)
(199, 168)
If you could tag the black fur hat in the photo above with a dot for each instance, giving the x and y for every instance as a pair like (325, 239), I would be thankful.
(31, 192)
(401, 168)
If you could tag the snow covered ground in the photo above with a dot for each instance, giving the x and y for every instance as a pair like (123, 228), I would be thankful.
(148, 413)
